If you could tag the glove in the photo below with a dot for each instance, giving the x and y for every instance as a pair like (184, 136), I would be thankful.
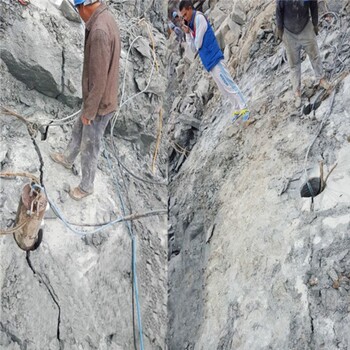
(279, 33)
(316, 30)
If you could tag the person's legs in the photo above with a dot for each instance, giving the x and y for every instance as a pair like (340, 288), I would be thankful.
(227, 86)
(309, 42)
(73, 147)
(293, 49)
(68, 157)
(90, 150)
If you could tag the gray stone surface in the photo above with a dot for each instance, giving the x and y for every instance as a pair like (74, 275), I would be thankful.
(238, 15)
(250, 265)
(43, 50)
(72, 292)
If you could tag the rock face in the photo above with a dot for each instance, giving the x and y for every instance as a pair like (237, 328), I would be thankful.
(75, 291)
(243, 262)
(250, 265)
(34, 48)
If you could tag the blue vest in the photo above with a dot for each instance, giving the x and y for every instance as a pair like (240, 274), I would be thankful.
(210, 52)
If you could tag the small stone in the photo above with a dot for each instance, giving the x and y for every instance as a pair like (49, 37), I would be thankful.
(143, 48)
(255, 48)
(260, 34)
(33, 169)
(343, 292)
(66, 187)
(313, 281)
(187, 120)
(238, 15)
(333, 275)
(336, 284)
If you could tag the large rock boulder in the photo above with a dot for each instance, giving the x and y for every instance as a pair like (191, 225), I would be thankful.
(39, 51)
(39, 65)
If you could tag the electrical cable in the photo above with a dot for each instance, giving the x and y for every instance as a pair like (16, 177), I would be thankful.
(327, 114)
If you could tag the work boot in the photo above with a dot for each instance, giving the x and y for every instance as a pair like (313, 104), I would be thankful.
(59, 158)
(325, 84)
(77, 193)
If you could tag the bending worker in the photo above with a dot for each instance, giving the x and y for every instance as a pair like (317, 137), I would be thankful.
(100, 82)
(296, 31)
(201, 38)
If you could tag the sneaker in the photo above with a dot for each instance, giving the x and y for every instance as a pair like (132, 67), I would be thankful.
(59, 158)
(297, 101)
(325, 84)
(78, 194)
(243, 113)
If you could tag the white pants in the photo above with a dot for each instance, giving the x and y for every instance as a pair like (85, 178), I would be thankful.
(227, 86)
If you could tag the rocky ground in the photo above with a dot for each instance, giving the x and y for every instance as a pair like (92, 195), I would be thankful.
(251, 266)
(75, 292)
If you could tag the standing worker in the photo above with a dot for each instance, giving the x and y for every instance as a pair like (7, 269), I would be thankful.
(296, 31)
(176, 24)
(201, 38)
(100, 83)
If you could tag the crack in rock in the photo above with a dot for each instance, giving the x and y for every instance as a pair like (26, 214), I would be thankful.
(312, 329)
(51, 292)
(63, 72)
(13, 337)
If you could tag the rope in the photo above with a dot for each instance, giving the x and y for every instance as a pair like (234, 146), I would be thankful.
(14, 229)
(159, 136)
(179, 149)
(20, 174)
(32, 130)
(31, 127)
(143, 21)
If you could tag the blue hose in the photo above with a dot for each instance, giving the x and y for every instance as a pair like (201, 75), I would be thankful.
(133, 243)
